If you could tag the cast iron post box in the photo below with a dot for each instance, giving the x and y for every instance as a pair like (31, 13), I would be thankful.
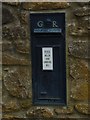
(48, 48)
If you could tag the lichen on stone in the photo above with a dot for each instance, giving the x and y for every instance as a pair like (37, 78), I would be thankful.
(8, 59)
(10, 106)
(82, 11)
(39, 112)
(64, 110)
(79, 69)
(83, 108)
(17, 82)
(25, 103)
(80, 91)
(45, 5)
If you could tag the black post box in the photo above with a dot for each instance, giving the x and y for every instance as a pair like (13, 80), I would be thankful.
(48, 48)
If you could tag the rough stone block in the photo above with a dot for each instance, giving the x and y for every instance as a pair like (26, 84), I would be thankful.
(45, 6)
(83, 3)
(83, 108)
(39, 112)
(8, 59)
(14, 33)
(7, 46)
(64, 110)
(14, 2)
(11, 117)
(79, 69)
(25, 103)
(18, 82)
(10, 106)
(22, 47)
(7, 16)
(24, 17)
(84, 22)
(78, 29)
(79, 48)
(82, 11)
(80, 91)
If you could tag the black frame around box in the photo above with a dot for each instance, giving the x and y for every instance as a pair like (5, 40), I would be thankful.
(49, 86)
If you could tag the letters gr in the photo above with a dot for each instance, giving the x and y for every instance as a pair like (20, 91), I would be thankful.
(41, 24)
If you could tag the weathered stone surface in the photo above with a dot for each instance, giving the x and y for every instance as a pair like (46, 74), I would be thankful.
(64, 110)
(84, 22)
(0, 115)
(17, 82)
(25, 103)
(24, 16)
(0, 109)
(10, 117)
(79, 70)
(45, 6)
(6, 33)
(0, 46)
(80, 91)
(13, 3)
(0, 74)
(83, 108)
(7, 116)
(20, 32)
(22, 47)
(39, 112)
(7, 16)
(82, 11)
(7, 46)
(10, 106)
(84, 3)
(0, 94)
(77, 30)
(14, 33)
(12, 60)
(80, 48)
(0, 58)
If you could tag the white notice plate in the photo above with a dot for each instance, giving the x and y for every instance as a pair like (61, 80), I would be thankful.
(47, 58)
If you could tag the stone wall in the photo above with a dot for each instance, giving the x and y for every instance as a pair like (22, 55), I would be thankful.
(16, 60)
